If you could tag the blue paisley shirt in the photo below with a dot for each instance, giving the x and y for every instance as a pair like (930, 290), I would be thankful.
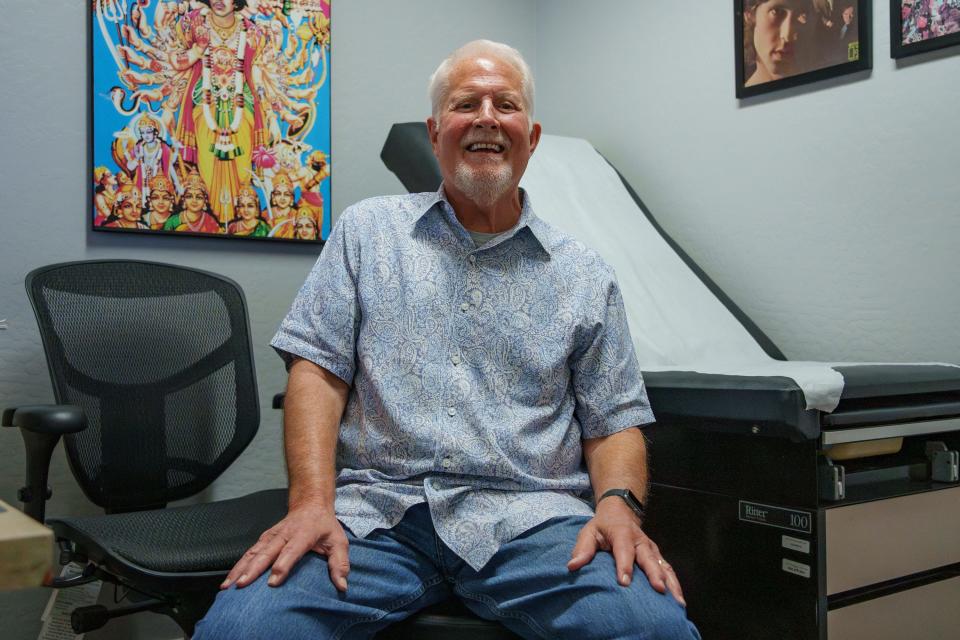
(475, 372)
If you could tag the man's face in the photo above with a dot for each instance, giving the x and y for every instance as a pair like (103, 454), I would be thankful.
(222, 8)
(283, 197)
(482, 137)
(248, 207)
(161, 201)
(848, 16)
(148, 134)
(780, 25)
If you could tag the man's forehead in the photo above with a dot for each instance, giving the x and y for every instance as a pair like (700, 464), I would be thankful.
(482, 72)
(473, 88)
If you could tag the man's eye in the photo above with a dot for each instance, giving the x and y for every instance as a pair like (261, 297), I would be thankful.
(464, 106)
(507, 106)
(802, 18)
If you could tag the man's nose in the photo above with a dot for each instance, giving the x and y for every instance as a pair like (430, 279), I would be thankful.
(487, 115)
(788, 30)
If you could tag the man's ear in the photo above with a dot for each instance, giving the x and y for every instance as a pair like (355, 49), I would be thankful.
(535, 132)
(434, 132)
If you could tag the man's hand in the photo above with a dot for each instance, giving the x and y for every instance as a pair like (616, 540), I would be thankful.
(615, 528)
(305, 528)
(311, 420)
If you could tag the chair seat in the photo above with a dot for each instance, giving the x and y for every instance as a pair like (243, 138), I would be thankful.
(446, 620)
(199, 543)
(201, 538)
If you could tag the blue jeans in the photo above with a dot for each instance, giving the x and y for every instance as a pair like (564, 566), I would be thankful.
(396, 572)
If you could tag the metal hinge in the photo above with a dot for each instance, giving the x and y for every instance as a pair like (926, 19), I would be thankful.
(833, 481)
(944, 463)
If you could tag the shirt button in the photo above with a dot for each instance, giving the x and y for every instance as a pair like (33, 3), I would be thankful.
(446, 463)
(451, 411)
(464, 307)
(472, 259)
(455, 358)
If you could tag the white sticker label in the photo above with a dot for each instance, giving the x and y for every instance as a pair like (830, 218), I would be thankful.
(795, 544)
(796, 568)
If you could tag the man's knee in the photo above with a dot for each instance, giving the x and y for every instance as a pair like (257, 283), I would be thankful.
(657, 617)
(625, 614)
(256, 611)
(668, 623)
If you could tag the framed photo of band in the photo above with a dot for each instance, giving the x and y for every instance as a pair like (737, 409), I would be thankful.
(786, 43)
(917, 26)
(211, 118)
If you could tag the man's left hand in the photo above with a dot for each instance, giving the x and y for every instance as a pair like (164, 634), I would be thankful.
(615, 528)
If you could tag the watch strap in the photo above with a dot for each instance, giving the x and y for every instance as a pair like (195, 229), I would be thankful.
(632, 501)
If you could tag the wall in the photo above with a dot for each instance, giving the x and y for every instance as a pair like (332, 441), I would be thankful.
(383, 54)
(830, 213)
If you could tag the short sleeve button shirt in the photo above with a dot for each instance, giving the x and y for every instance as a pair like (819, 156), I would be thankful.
(475, 372)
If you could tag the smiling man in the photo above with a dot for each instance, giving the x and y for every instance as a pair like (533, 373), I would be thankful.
(462, 383)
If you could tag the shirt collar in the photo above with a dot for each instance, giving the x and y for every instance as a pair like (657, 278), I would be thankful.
(541, 232)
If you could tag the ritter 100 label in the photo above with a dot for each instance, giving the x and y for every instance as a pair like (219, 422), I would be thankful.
(776, 516)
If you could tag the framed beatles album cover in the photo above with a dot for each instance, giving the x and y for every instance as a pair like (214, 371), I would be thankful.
(785, 43)
(211, 118)
(923, 25)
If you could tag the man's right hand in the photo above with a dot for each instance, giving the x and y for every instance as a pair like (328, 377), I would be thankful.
(305, 528)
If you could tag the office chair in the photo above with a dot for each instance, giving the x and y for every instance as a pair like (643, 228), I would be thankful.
(153, 371)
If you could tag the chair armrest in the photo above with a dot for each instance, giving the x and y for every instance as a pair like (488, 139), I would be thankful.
(41, 427)
(54, 419)
(278, 400)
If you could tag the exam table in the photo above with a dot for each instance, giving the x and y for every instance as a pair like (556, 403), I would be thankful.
(795, 500)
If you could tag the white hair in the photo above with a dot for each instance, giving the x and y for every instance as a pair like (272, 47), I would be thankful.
(440, 80)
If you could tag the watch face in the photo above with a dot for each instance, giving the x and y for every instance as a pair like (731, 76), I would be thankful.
(633, 503)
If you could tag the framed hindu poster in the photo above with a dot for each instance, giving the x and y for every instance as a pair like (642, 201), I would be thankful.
(211, 118)
(923, 25)
(785, 43)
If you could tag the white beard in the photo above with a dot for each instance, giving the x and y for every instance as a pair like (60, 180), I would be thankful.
(483, 186)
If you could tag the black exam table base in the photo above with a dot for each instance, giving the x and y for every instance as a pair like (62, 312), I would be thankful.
(740, 518)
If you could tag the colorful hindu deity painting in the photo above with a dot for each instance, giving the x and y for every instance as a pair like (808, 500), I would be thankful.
(212, 117)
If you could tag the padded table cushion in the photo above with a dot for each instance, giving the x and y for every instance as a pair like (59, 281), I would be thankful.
(873, 380)
(871, 394)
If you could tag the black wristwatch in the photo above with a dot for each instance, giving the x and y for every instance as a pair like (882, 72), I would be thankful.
(635, 505)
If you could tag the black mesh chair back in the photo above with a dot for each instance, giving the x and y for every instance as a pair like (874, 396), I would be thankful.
(159, 358)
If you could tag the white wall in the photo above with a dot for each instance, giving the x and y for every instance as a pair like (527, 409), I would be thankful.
(829, 213)
(383, 54)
